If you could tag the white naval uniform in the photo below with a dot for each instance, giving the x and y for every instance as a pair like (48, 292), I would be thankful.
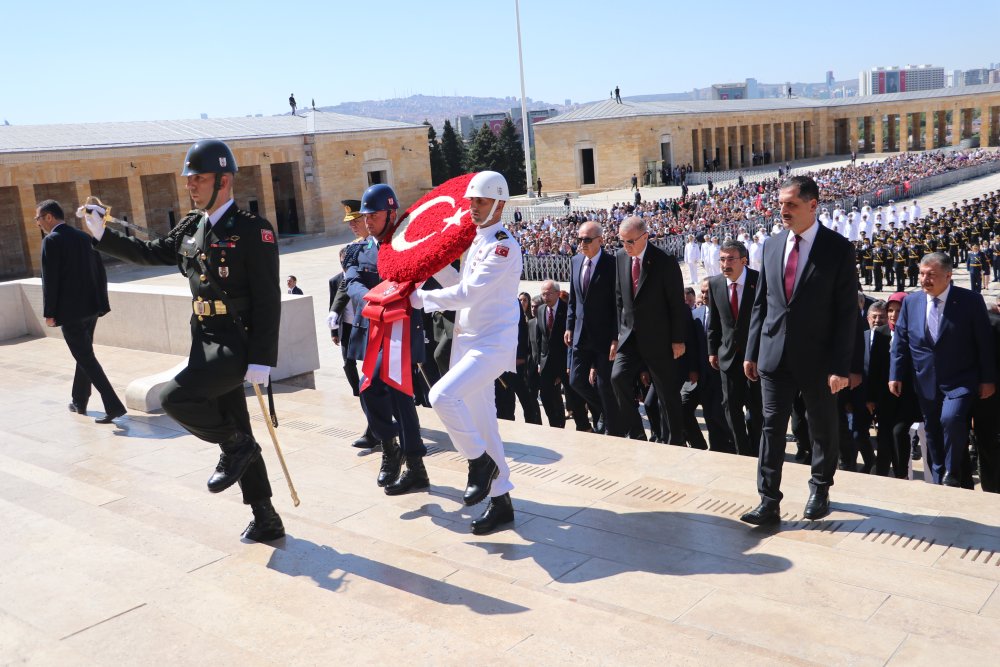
(485, 298)
(692, 255)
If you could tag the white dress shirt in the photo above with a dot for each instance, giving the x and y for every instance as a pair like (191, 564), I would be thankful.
(808, 238)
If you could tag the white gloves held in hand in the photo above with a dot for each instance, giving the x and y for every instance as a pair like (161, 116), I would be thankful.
(257, 374)
(93, 216)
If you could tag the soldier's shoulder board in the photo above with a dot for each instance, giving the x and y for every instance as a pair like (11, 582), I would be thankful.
(502, 235)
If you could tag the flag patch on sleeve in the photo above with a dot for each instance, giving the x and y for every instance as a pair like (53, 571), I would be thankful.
(502, 250)
(267, 236)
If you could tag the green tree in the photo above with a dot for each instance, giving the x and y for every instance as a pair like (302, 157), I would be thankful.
(439, 168)
(483, 150)
(453, 150)
(510, 158)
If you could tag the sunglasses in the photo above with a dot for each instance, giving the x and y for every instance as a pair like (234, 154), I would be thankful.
(631, 242)
(584, 240)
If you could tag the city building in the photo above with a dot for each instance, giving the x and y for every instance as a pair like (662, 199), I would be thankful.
(599, 146)
(467, 126)
(293, 170)
(729, 91)
(884, 80)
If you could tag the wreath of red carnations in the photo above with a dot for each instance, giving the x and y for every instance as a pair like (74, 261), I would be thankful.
(435, 231)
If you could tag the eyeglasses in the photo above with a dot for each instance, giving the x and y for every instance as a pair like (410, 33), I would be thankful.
(584, 240)
(631, 242)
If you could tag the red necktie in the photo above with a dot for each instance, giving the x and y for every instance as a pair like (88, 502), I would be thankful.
(635, 275)
(548, 319)
(790, 266)
(734, 303)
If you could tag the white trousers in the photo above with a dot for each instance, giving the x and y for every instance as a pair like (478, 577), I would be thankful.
(693, 272)
(465, 401)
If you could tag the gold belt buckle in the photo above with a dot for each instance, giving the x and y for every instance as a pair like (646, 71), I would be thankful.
(220, 308)
(199, 308)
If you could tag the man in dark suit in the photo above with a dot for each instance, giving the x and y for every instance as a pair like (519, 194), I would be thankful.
(802, 335)
(549, 349)
(74, 295)
(984, 419)
(708, 389)
(514, 384)
(730, 303)
(653, 323)
(590, 329)
(945, 348)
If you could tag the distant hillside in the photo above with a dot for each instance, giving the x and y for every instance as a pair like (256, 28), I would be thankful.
(435, 108)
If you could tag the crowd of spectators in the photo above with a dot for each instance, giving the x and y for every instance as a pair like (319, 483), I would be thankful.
(700, 212)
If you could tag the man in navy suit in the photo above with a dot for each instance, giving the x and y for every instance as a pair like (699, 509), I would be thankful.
(549, 349)
(653, 325)
(802, 335)
(731, 296)
(74, 295)
(590, 327)
(943, 345)
(708, 390)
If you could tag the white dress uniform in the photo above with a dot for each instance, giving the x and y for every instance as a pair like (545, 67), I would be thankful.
(485, 298)
(692, 255)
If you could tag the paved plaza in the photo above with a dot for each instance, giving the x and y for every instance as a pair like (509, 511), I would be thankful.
(622, 553)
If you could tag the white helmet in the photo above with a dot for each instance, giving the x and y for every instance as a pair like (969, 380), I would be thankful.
(489, 185)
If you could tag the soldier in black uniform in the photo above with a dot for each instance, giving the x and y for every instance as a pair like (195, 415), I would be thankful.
(230, 258)
(900, 258)
(878, 257)
(914, 254)
(867, 261)
(975, 265)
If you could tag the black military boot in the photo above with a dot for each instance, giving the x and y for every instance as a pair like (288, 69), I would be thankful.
(238, 452)
(366, 441)
(414, 478)
(266, 525)
(482, 472)
(392, 461)
(499, 512)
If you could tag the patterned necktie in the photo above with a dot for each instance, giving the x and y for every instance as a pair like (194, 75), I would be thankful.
(635, 275)
(548, 319)
(734, 302)
(790, 267)
(934, 321)
(586, 275)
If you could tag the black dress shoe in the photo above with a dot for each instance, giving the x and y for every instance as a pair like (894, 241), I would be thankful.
(414, 478)
(482, 472)
(237, 455)
(266, 525)
(950, 480)
(78, 408)
(109, 417)
(801, 456)
(818, 505)
(392, 459)
(500, 511)
(762, 515)
(366, 441)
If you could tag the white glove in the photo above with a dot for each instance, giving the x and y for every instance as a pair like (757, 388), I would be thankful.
(257, 374)
(332, 320)
(416, 299)
(93, 216)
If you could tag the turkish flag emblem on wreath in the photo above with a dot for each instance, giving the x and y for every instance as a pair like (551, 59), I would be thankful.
(430, 235)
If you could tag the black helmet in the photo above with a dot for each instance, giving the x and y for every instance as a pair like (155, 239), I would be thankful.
(379, 197)
(209, 156)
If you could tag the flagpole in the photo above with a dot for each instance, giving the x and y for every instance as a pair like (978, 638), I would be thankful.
(526, 134)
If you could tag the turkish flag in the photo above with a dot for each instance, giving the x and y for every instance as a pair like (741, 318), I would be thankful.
(433, 233)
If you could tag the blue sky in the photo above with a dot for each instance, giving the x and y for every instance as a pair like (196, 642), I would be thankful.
(111, 60)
